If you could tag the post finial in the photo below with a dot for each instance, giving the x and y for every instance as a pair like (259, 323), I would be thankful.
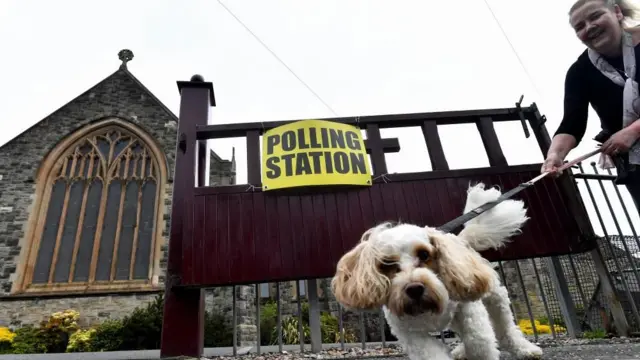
(125, 55)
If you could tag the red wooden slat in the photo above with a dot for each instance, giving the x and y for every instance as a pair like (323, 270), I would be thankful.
(388, 204)
(334, 243)
(539, 219)
(441, 192)
(260, 237)
(209, 237)
(287, 245)
(361, 215)
(246, 241)
(411, 205)
(322, 236)
(355, 215)
(343, 214)
(298, 236)
(402, 212)
(309, 228)
(273, 238)
(222, 238)
(235, 242)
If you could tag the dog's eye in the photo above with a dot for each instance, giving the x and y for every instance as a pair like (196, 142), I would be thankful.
(422, 254)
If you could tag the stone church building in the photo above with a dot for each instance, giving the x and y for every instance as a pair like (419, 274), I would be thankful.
(85, 197)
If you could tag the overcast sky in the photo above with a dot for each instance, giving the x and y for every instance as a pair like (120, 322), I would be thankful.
(362, 57)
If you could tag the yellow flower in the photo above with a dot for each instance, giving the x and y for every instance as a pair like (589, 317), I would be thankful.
(6, 334)
(526, 327)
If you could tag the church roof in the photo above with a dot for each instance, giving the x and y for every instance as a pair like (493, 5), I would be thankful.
(125, 56)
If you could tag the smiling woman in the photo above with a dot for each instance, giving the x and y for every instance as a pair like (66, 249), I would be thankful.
(604, 76)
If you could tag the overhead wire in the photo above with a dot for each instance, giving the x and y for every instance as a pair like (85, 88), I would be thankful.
(277, 57)
(513, 48)
(319, 98)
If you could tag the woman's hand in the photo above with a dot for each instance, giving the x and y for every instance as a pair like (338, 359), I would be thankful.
(551, 164)
(621, 141)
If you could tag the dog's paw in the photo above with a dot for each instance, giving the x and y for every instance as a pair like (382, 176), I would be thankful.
(458, 353)
(527, 351)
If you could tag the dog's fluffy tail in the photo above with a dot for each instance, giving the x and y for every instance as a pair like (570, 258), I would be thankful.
(493, 228)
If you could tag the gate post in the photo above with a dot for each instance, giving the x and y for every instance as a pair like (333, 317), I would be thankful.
(183, 316)
(567, 307)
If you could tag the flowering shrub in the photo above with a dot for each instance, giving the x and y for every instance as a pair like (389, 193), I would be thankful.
(526, 327)
(67, 321)
(80, 341)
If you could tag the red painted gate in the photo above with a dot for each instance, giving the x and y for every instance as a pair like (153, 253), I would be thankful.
(239, 235)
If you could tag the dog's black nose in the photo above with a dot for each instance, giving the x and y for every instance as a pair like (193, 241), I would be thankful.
(414, 291)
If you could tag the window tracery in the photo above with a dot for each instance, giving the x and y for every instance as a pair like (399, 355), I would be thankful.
(99, 215)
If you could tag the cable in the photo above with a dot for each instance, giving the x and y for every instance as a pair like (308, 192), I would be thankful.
(515, 52)
(278, 58)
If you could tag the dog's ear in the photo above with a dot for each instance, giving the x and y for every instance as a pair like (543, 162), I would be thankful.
(358, 282)
(465, 273)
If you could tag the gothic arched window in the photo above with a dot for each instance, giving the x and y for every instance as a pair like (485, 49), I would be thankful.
(98, 215)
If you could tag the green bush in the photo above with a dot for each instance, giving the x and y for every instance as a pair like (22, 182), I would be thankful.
(28, 340)
(216, 331)
(291, 331)
(268, 322)
(141, 330)
(107, 337)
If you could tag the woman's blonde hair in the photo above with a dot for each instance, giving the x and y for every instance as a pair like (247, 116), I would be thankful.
(630, 10)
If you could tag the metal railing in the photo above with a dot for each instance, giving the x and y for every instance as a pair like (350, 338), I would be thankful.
(303, 314)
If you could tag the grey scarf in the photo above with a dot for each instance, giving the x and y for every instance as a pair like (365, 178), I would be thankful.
(631, 95)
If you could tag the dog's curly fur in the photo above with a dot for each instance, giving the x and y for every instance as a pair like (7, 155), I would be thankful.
(427, 281)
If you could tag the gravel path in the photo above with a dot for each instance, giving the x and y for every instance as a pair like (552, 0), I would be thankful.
(592, 352)
(568, 349)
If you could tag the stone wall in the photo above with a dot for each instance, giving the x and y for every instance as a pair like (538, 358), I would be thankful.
(220, 300)
(93, 309)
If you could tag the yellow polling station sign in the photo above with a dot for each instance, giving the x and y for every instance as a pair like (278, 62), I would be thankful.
(314, 153)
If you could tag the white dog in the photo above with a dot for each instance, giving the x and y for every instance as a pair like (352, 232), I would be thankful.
(428, 281)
